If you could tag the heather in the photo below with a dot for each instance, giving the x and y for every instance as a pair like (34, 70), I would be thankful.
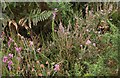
(60, 39)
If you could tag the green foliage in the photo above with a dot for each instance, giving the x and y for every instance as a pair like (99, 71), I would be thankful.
(78, 49)
(77, 70)
(115, 18)
(36, 15)
(32, 12)
(114, 29)
(65, 11)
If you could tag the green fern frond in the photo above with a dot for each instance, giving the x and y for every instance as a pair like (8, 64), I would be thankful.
(37, 16)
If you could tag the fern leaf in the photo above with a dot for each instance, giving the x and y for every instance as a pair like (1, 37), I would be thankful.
(37, 16)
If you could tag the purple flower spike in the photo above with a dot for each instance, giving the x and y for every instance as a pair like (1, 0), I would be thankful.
(9, 64)
(9, 67)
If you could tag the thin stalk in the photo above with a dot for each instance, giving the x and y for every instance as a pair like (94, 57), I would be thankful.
(53, 34)
(35, 55)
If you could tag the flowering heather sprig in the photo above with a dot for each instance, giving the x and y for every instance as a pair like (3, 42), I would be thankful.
(9, 64)
(9, 42)
(5, 59)
(57, 67)
(18, 49)
(54, 15)
(8, 61)
(10, 55)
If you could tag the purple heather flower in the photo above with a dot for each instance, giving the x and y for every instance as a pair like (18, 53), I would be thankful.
(10, 39)
(9, 42)
(18, 49)
(88, 42)
(9, 64)
(10, 55)
(57, 67)
(5, 58)
(9, 67)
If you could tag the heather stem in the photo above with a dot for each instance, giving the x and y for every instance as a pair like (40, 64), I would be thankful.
(53, 34)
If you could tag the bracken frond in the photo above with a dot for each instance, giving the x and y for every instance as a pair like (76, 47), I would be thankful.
(37, 16)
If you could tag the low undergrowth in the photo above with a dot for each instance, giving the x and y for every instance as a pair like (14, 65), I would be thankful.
(78, 49)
